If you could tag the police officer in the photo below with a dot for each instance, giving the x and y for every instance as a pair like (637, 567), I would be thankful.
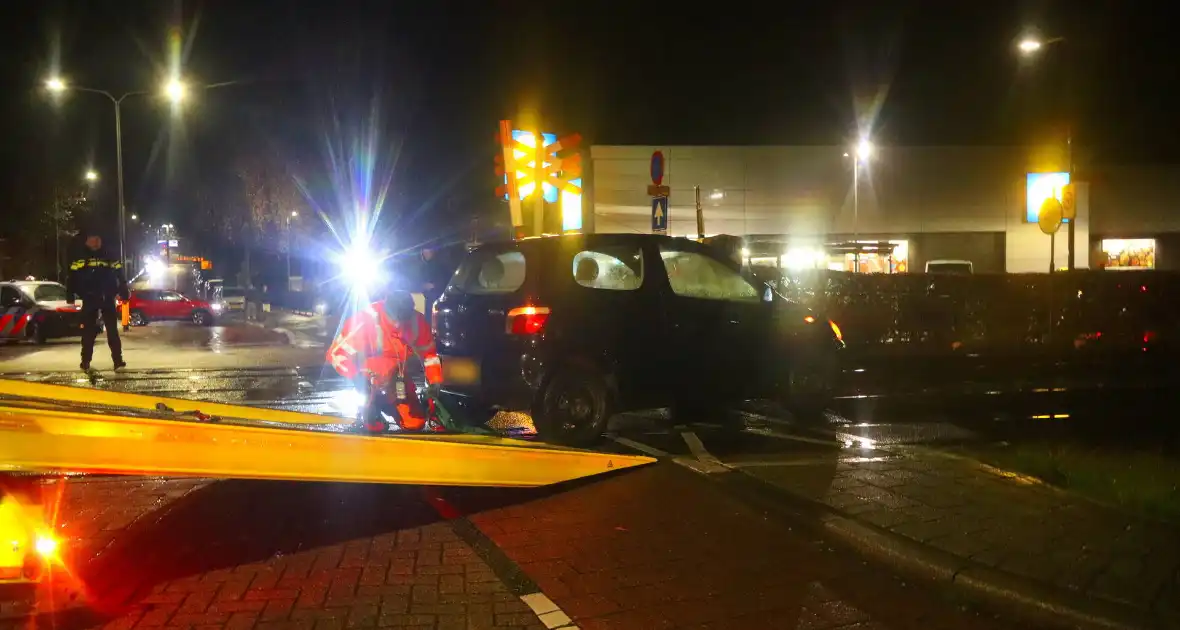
(97, 277)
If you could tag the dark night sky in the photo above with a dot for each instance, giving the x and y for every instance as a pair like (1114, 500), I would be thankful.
(440, 74)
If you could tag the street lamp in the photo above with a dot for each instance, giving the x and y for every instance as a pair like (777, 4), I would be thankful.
(91, 176)
(1029, 47)
(860, 153)
(174, 90)
(289, 217)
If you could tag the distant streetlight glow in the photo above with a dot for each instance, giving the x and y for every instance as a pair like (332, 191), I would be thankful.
(135, 217)
(1029, 45)
(175, 90)
(91, 176)
(864, 150)
(55, 84)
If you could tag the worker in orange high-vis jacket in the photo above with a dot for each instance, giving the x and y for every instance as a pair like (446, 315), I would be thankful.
(375, 344)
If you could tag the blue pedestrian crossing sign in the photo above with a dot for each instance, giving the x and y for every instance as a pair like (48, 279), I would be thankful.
(659, 215)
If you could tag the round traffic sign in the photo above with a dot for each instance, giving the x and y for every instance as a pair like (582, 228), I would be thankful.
(657, 168)
(1050, 216)
(1069, 202)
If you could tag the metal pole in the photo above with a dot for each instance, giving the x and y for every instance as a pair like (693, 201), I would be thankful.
(56, 234)
(119, 177)
(1052, 252)
(700, 214)
(1070, 227)
(538, 177)
(288, 254)
(856, 212)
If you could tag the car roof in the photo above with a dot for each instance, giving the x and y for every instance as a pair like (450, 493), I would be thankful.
(30, 283)
(554, 240)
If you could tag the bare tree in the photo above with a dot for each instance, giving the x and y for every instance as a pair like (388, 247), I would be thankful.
(269, 194)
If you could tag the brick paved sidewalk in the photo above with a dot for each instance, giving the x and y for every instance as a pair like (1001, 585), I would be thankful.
(1005, 521)
(167, 553)
(661, 547)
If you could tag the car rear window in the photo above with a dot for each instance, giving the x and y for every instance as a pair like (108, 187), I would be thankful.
(490, 273)
(617, 268)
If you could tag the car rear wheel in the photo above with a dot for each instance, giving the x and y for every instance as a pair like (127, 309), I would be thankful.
(37, 334)
(810, 387)
(202, 318)
(138, 318)
(574, 408)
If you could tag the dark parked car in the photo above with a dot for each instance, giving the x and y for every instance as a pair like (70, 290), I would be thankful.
(574, 328)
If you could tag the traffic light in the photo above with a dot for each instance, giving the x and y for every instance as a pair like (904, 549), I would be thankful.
(507, 172)
(530, 162)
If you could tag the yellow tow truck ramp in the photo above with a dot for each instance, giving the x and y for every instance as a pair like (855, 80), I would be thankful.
(58, 428)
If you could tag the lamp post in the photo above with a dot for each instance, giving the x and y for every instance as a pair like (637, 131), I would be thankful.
(174, 90)
(1029, 47)
(289, 217)
(860, 153)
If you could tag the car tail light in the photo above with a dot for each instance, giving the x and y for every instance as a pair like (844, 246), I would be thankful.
(836, 330)
(527, 320)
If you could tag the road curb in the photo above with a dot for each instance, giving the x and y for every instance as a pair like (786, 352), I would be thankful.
(1048, 606)
(1037, 602)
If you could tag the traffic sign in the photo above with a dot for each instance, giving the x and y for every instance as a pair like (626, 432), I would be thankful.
(1049, 217)
(1069, 202)
(658, 191)
(657, 168)
(659, 215)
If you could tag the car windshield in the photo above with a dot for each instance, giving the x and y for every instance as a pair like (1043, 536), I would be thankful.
(49, 293)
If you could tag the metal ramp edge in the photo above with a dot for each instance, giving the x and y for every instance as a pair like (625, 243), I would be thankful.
(53, 440)
(107, 398)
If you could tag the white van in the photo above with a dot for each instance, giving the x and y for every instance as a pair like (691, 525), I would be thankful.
(950, 266)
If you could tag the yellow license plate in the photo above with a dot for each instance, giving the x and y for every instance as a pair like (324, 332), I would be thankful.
(460, 371)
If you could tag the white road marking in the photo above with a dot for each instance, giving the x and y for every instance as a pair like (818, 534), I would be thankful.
(786, 462)
(553, 617)
(788, 436)
(705, 468)
(698, 450)
(640, 446)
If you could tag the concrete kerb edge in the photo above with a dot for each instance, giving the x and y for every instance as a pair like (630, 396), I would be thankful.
(1000, 589)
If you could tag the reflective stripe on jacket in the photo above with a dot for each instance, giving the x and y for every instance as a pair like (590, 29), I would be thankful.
(372, 341)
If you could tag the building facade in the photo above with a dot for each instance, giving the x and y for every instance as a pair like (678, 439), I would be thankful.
(931, 203)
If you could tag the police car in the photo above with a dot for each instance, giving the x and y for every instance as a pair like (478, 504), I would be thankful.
(37, 311)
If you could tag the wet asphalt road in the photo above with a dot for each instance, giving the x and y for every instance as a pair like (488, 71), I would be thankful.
(771, 446)
(162, 345)
(1124, 414)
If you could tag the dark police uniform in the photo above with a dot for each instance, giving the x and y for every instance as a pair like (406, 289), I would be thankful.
(98, 279)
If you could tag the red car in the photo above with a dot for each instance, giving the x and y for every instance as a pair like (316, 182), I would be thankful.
(158, 305)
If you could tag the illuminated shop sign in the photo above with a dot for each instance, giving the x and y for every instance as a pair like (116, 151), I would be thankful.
(1042, 186)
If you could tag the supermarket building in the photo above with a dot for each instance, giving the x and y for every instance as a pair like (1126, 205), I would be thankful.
(962, 203)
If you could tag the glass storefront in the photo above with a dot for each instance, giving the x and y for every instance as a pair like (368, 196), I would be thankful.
(873, 261)
(1128, 253)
